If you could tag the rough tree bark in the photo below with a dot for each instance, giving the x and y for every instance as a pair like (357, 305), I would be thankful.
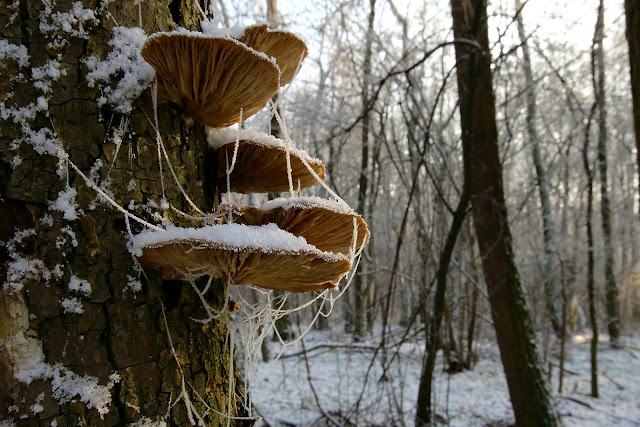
(119, 331)
(530, 396)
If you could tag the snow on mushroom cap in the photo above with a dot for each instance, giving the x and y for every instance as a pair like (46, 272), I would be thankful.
(323, 223)
(267, 238)
(338, 206)
(219, 137)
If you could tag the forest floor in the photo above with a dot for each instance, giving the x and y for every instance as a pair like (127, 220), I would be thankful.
(339, 382)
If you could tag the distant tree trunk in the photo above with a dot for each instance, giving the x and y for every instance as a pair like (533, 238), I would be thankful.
(472, 329)
(593, 318)
(552, 282)
(374, 191)
(272, 13)
(632, 11)
(611, 288)
(360, 293)
(121, 329)
(530, 396)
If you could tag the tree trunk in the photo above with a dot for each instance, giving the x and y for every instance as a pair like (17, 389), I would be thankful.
(530, 396)
(632, 11)
(593, 318)
(551, 255)
(611, 288)
(47, 351)
(360, 293)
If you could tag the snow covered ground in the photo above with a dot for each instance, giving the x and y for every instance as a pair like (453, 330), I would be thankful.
(339, 380)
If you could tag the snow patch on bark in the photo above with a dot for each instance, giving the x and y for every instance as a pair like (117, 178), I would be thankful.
(67, 385)
(66, 203)
(59, 25)
(79, 285)
(16, 52)
(22, 269)
(72, 305)
(126, 64)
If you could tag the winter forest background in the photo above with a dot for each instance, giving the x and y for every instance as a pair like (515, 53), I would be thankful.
(378, 100)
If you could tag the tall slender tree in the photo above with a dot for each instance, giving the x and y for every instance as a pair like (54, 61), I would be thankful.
(530, 396)
(551, 255)
(360, 291)
(611, 287)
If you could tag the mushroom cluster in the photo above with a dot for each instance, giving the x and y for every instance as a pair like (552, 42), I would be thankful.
(297, 244)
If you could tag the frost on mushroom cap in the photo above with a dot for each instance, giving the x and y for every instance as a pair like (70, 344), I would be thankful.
(211, 78)
(326, 225)
(264, 256)
(261, 162)
(287, 48)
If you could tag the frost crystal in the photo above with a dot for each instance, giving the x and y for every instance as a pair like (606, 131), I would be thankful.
(148, 422)
(134, 284)
(72, 305)
(36, 408)
(43, 78)
(72, 23)
(125, 63)
(66, 203)
(18, 53)
(67, 385)
(60, 241)
(22, 269)
(79, 285)
(47, 220)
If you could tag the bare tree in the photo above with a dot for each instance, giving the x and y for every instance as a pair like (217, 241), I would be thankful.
(360, 292)
(611, 287)
(530, 396)
(552, 256)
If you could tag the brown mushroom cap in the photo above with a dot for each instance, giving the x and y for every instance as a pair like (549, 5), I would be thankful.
(263, 256)
(261, 165)
(211, 78)
(287, 48)
(325, 225)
